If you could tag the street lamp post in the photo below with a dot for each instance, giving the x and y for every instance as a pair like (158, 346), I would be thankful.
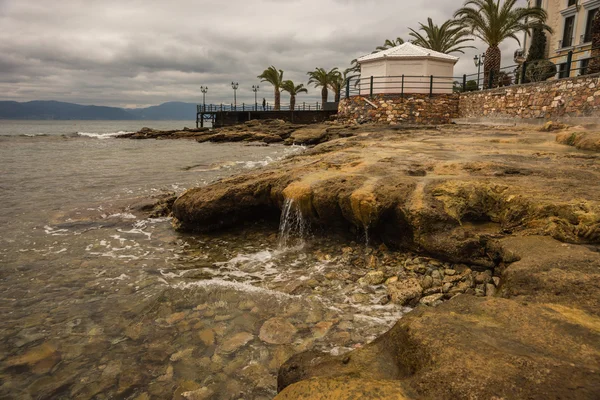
(234, 86)
(204, 90)
(255, 89)
(478, 63)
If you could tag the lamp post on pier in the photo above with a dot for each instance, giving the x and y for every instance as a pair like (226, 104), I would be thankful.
(478, 63)
(234, 86)
(255, 89)
(204, 90)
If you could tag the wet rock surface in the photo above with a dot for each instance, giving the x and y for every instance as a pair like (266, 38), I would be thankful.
(537, 342)
(580, 139)
(509, 307)
(344, 388)
(265, 131)
(478, 186)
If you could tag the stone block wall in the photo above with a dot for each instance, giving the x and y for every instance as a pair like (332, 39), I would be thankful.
(558, 100)
(394, 109)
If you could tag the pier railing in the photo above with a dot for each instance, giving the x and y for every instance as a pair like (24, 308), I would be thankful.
(300, 106)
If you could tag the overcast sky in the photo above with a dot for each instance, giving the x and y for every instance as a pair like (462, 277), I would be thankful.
(142, 52)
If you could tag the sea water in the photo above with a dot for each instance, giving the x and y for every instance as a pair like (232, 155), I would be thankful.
(97, 299)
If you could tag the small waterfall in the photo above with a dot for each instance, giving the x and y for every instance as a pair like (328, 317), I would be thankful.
(292, 223)
(366, 227)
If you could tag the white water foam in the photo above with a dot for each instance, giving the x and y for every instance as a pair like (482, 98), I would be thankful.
(387, 314)
(34, 134)
(107, 135)
(237, 286)
(256, 265)
(254, 164)
(55, 232)
(122, 215)
(287, 151)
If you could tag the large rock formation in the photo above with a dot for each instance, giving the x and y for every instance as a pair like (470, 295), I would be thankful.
(443, 192)
(512, 200)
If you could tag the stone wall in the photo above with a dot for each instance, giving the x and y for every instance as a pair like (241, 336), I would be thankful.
(394, 109)
(574, 99)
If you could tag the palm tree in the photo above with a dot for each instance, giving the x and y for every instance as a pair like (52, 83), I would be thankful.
(354, 68)
(322, 78)
(293, 90)
(447, 38)
(493, 22)
(338, 81)
(353, 72)
(390, 43)
(275, 78)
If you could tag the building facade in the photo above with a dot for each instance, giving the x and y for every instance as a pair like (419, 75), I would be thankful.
(571, 22)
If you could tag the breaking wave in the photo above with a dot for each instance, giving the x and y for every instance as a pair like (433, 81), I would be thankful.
(102, 135)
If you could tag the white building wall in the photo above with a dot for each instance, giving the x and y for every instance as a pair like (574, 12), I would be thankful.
(442, 75)
(368, 70)
(388, 76)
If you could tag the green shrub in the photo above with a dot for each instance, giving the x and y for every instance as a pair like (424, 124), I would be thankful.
(540, 70)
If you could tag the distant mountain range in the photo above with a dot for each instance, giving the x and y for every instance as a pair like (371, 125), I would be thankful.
(40, 110)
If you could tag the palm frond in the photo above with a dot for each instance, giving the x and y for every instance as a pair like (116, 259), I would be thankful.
(273, 76)
(446, 38)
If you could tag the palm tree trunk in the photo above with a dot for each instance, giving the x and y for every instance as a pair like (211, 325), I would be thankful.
(324, 94)
(277, 99)
(493, 58)
(338, 95)
(292, 102)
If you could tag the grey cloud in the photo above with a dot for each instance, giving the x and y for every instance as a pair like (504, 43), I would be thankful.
(147, 52)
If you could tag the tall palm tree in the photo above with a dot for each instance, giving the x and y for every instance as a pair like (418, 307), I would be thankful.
(390, 43)
(320, 77)
(493, 22)
(446, 38)
(275, 78)
(293, 90)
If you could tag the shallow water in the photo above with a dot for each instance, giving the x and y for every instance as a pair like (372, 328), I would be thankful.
(99, 301)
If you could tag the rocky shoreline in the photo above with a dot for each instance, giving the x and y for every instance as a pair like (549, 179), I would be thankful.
(512, 215)
(264, 131)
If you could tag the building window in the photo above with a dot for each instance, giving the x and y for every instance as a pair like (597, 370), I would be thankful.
(567, 40)
(588, 25)
(562, 70)
(571, 3)
(538, 3)
(583, 65)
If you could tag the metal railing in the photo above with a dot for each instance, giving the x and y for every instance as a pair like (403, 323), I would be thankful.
(400, 84)
(300, 106)
(558, 67)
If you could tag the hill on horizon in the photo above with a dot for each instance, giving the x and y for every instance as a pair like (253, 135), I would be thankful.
(58, 110)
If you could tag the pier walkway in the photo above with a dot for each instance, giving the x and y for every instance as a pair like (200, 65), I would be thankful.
(219, 115)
